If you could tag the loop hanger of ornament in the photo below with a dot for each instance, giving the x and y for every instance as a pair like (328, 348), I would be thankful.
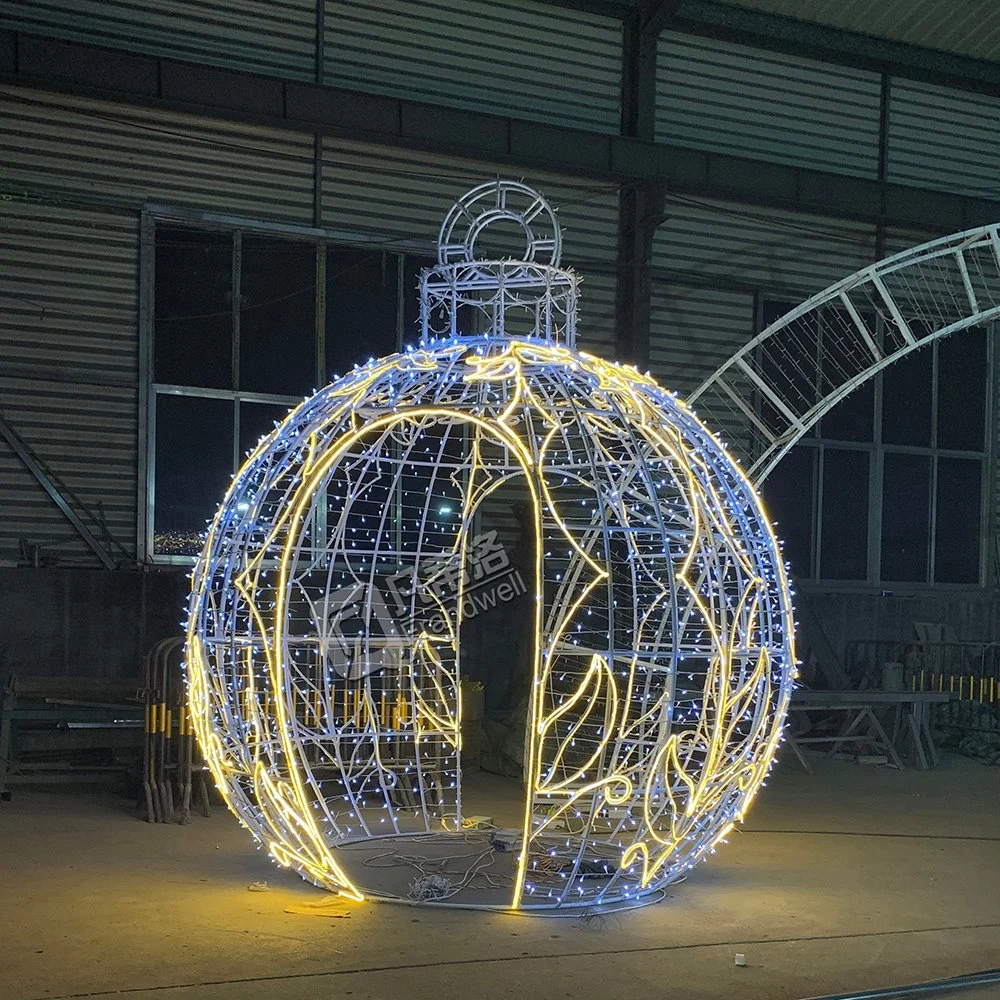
(522, 293)
(507, 201)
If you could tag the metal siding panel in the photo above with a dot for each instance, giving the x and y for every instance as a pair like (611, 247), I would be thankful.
(897, 239)
(68, 289)
(86, 435)
(400, 195)
(68, 276)
(132, 156)
(718, 243)
(694, 330)
(944, 139)
(596, 326)
(744, 101)
(68, 321)
(529, 59)
(277, 37)
(969, 28)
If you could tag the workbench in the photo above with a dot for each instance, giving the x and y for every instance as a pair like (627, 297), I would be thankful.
(51, 727)
(862, 725)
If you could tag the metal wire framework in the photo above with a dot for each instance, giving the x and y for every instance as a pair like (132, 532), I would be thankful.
(328, 607)
(780, 384)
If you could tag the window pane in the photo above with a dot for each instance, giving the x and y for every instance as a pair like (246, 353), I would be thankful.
(852, 419)
(256, 420)
(905, 518)
(788, 492)
(194, 463)
(431, 497)
(277, 316)
(193, 324)
(844, 532)
(790, 365)
(774, 309)
(361, 302)
(962, 390)
(906, 399)
(956, 533)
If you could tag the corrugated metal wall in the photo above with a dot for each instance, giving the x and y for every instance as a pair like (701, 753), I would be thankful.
(692, 332)
(533, 60)
(402, 196)
(696, 330)
(735, 99)
(722, 244)
(944, 139)
(277, 37)
(68, 324)
(944, 25)
(68, 315)
(897, 239)
(526, 58)
(130, 155)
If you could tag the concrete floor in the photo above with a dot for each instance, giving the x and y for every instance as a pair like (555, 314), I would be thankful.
(857, 877)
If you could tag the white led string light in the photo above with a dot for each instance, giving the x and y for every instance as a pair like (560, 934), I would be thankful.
(663, 653)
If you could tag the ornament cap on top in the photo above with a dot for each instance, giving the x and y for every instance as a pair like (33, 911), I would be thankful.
(468, 294)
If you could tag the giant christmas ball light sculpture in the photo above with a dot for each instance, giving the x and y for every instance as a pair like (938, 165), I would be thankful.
(325, 635)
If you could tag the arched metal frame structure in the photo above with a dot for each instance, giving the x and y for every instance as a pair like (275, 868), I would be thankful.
(780, 384)
(325, 635)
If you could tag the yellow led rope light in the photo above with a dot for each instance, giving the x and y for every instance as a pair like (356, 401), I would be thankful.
(303, 495)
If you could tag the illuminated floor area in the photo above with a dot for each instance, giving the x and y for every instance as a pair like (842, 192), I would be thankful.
(855, 878)
(477, 866)
(478, 873)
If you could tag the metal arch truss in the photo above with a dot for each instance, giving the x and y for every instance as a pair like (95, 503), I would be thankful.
(780, 384)
(328, 612)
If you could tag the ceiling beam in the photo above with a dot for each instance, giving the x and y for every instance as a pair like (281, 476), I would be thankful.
(640, 37)
(880, 54)
(658, 14)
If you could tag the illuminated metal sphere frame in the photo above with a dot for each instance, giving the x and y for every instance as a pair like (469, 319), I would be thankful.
(662, 655)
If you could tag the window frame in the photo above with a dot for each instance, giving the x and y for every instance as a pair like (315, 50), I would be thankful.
(153, 215)
(877, 450)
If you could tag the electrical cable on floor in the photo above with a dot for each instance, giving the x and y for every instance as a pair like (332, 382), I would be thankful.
(435, 880)
(438, 879)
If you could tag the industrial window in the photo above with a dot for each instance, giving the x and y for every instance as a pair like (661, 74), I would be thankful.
(243, 325)
(889, 487)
